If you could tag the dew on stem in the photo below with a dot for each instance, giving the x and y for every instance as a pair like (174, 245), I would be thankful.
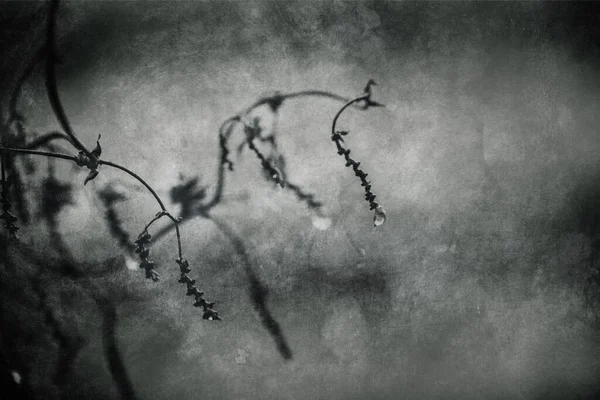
(379, 216)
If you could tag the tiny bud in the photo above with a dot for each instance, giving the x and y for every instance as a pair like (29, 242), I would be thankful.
(200, 303)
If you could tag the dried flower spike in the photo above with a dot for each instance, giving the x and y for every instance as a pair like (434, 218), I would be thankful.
(192, 290)
(143, 251)
(336, 136)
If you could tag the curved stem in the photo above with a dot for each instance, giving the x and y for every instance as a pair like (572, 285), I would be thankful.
(114, 165)
(100, 162)
(153, 220)
(348, 104)
(279, 98)
(51, 86)
(156, 197)
(225, 132)
(316, 93)
(180, 252)
(39, 153)
(227, 127)
(175, 223)
(136, 176)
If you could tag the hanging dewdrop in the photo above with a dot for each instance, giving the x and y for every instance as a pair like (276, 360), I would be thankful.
(379, 217)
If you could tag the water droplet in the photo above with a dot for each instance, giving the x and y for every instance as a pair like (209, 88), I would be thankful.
(379, 217)
(16, 377)
(131, 264)
(321, 223)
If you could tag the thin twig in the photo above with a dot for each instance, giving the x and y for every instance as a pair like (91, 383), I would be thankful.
(114, 165)
(348, 104)
(276, 100)
(51, 86)
(38, 153)
(226, 129)
(136, 176)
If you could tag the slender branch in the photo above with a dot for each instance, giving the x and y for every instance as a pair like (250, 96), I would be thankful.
(51, 86)
(175, 221)
(38, 153)
(226, 129)
(153, 220)
(366, 97)
(114, 165)
(348, 104)
(100, 162)
(225, 132)
(178, 239)
(136, 176)
(316, 93)
(276, 100)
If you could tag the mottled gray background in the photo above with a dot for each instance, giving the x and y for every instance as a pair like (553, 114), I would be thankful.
(483, 283)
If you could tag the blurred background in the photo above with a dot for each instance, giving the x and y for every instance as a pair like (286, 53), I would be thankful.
(482, 284)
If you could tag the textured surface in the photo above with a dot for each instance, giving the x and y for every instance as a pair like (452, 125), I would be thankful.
(483, 283)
